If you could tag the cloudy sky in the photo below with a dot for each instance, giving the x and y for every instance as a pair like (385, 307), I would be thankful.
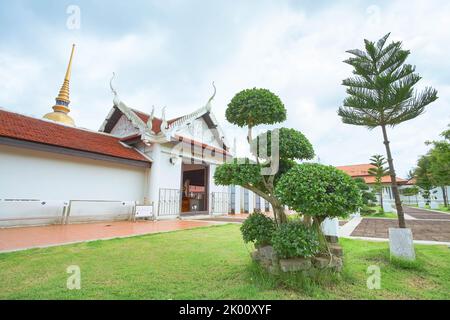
(167, 53)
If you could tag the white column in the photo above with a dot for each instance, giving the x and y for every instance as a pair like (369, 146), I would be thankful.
(237, 205)
(251, 202)
(154, 179)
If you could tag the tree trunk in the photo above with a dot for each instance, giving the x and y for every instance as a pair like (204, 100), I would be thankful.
(317, 225)
(278, 212)
(381, 198)
(398, 204)
(307, 220)
(444, 196)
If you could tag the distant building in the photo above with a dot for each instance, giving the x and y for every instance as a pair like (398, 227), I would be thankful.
(362, 171)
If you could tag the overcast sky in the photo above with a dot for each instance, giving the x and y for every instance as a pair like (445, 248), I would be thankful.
(167, 53)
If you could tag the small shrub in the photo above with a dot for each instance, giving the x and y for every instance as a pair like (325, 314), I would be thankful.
(258, 228)
(294, 239)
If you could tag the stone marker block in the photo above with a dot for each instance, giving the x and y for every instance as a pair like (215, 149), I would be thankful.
(336, 250)
(320, 262)
(337, 264)
(421, 204)
(295, 264)
(255, 255)
(434, 205)
(268, 253)
(330, 227)
(401, 243)
(332, 239)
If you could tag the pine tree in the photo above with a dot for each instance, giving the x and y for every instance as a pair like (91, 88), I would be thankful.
(378, 171)
(381, 94)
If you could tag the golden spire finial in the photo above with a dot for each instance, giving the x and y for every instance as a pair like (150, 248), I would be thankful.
(61, 108)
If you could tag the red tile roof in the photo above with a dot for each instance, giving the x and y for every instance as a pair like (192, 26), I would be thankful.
(156, 127)
(21, 127)
(362, 171)
(356, 170)
(156, 122)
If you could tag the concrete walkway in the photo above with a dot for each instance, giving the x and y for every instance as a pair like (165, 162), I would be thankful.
(425, 225)
(13, 239)
(417, 213)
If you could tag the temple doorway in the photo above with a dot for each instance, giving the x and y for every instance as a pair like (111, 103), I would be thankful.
(194, 189)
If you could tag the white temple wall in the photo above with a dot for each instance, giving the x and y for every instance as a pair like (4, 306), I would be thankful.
(54, 179)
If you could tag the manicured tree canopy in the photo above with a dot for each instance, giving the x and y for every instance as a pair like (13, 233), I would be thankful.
(319, 191)
(249, 108)
(239, 172)
(292, 144)
(252, 107)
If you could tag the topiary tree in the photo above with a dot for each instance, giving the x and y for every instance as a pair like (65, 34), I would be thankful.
(258, 228)
(294, 239)
(319, 191)
(254, 107)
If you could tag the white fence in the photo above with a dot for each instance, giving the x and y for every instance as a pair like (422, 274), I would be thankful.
(220, 203)
(98, 210)
(15, 212)
(27, 212)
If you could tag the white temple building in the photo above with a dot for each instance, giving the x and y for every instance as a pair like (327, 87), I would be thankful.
(54, 172)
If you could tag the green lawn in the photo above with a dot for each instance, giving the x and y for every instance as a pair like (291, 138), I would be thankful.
(380, 214)
(210, 263)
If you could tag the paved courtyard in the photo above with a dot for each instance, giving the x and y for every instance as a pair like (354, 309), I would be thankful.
(30, 237)
(425, 214)
(425, 225)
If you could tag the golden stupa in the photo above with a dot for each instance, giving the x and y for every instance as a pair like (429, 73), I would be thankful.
(61, 108)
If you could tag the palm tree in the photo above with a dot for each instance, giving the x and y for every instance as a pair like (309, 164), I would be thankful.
(381, 94)
(378, 171)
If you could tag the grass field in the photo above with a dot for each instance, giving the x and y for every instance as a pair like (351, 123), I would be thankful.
(211, 263)
(380, 214)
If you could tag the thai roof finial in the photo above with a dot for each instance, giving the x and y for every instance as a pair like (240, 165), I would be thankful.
(163, 114)
(164, 125)
(150, 119)
(116, 99)
(208, 104)
(61, 107)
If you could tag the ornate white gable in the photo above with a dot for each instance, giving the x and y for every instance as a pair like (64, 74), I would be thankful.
(199, 131)
(200, 125)
(123, 127)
